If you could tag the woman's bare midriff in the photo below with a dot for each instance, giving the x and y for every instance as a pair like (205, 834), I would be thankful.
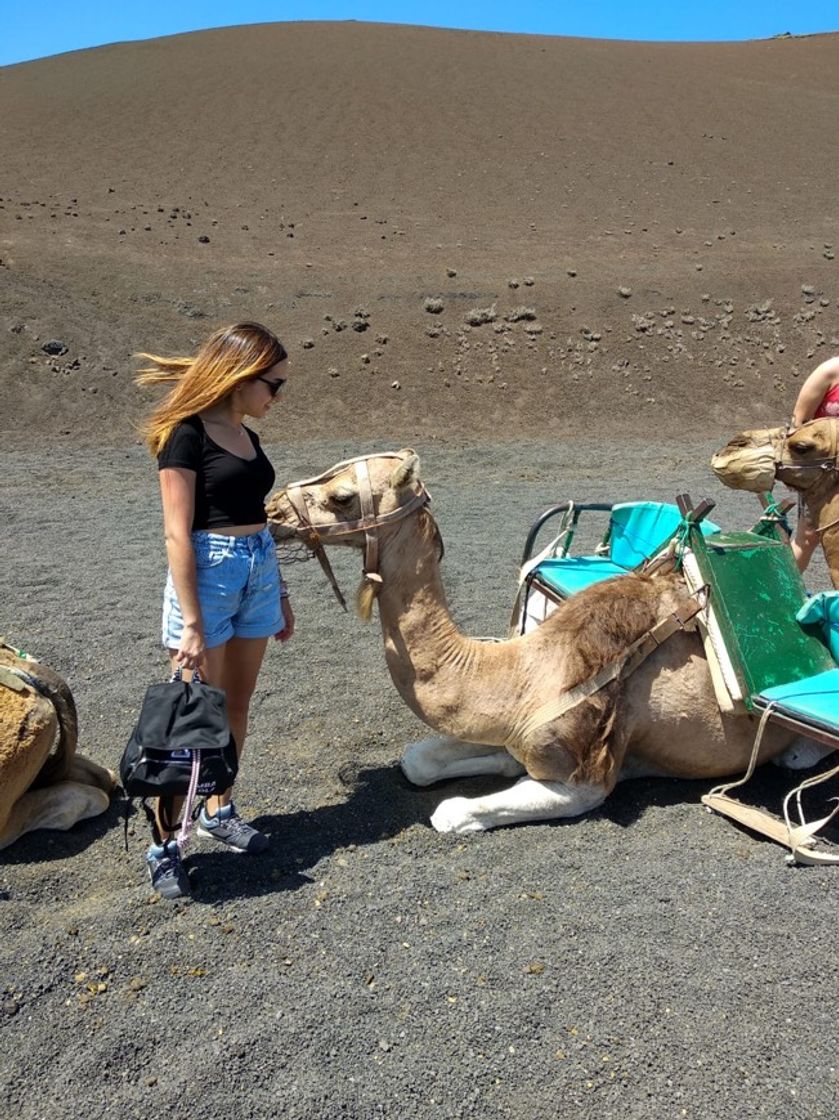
(237, 530)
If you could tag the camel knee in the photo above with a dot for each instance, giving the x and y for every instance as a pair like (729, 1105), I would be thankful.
(421, 762)
(803, 754)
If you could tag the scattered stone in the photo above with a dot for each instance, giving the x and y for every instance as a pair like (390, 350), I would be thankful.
(204, 239)
(512, 283)
(54, 346)
(624, 292)
(395, 385)
(433, 306)
(359, 325)
(308, 343)
(451, 272)
(808, 290)
(570, 272)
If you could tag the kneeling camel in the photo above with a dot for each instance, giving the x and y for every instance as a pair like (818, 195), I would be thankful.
(501, 707)
(44, 783)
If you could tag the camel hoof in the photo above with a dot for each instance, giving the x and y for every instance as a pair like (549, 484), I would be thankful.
(454, 815)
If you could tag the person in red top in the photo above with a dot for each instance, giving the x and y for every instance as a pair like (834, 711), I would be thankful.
(819, 396)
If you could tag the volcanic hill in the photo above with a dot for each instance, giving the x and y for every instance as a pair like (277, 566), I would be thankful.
(457, 234)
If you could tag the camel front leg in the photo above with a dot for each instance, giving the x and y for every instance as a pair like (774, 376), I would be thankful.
(527, 800)
(438, 757)
(59, 806)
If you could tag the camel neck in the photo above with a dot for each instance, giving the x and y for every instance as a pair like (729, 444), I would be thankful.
(452, 682)
(823, 512)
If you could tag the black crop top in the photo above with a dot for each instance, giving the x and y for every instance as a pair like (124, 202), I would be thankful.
(229, 490)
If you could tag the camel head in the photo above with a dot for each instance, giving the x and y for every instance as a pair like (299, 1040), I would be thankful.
(333, 503)
(747, 462)
(804, 459)
(353, 503)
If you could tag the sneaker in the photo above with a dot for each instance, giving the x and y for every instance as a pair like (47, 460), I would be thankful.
(167, 873)
(227, 826)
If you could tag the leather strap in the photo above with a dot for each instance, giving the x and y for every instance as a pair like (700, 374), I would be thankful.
(623, 666)
(369, 522)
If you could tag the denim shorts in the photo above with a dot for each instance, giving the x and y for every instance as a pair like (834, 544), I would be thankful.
(238, 580)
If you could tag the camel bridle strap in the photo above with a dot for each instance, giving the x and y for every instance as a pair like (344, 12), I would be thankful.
(369, 523)
(622, 667)
(830, 463)
(311, 539)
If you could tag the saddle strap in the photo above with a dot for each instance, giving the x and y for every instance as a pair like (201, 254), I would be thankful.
(623, 666)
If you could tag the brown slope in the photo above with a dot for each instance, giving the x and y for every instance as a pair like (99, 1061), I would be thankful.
(338, 168)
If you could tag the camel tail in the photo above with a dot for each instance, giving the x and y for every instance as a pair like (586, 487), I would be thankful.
(54, 689)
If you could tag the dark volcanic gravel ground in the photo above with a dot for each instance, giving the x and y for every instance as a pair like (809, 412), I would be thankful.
(647, 961)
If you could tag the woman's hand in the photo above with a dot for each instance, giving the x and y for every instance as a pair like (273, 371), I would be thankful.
(288, 627)
(191, 652)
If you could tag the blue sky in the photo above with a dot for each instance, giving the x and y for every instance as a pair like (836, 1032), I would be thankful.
(33, 29)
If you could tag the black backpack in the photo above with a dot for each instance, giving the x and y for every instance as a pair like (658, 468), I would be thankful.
(181, 745)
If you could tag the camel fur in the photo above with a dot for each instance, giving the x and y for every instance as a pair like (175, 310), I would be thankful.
(45, 783)
(478, 696)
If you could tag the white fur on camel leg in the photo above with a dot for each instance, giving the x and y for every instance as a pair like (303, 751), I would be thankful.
(439, 757)
(527, 800)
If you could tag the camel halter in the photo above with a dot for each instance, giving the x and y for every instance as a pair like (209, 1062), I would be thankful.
(369, 523)
(828, 463)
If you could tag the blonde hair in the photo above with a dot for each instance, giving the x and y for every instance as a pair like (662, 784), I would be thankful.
(230, 356)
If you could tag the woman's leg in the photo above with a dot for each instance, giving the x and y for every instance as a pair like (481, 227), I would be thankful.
(235, 667)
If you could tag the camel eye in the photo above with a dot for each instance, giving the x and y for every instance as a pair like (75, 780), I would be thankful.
(801, 447)
(342, 497)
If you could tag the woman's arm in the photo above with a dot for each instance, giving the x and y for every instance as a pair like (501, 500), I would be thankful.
(813, 391)
(177, 488)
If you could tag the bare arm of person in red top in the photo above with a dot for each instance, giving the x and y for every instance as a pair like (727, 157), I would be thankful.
(813, 391)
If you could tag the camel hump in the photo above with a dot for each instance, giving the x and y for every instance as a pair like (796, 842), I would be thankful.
(17, 671)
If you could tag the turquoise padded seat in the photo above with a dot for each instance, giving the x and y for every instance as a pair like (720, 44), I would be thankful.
(821, 612)
(637, 531)
(814, 700)
(571, 574)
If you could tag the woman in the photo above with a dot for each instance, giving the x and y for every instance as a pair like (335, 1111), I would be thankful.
(819, 396)
(223, 597)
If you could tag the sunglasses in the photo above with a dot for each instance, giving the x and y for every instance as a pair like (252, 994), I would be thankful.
(274, 386)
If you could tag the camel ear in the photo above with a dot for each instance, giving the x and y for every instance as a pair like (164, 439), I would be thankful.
(407, 471)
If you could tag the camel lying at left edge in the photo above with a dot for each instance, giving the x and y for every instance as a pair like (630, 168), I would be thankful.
(44, 783)
(494, 705)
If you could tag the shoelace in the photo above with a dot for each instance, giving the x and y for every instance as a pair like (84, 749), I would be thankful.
(236, 825)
